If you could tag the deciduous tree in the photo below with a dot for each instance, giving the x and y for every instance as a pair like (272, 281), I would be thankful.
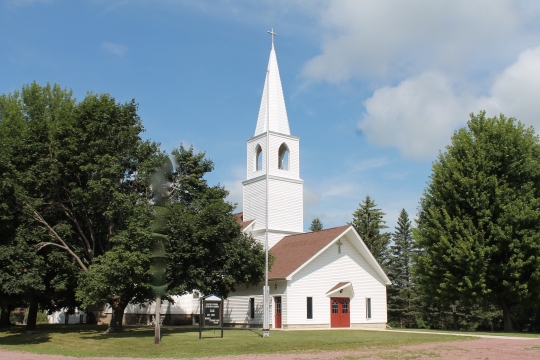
(206, 249)
(479, 219)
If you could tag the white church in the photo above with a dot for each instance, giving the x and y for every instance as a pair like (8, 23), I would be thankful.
(321, 279)
(324, 279)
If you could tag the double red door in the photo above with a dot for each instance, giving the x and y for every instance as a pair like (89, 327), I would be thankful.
(340, 312)
(278, 312)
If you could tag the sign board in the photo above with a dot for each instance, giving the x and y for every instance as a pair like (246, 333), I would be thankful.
(211, 313)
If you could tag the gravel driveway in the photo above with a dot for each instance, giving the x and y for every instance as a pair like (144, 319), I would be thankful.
(462, 350)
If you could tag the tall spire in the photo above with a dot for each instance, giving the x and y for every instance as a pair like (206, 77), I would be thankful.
(272, 100)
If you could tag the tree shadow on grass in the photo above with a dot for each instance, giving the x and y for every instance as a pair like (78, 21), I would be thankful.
(18, 336)
(136, 332)
(256, 332)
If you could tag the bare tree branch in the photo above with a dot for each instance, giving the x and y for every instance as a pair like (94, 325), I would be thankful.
(40, 219)
(41, 245)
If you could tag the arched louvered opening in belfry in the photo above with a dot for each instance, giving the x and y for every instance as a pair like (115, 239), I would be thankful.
(283, 157)
(258, 158)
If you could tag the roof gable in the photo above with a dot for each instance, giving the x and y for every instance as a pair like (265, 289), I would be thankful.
(293, 251)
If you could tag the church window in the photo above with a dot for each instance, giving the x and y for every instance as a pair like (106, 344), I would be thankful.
(283, 156)
(335, 307)
(368, 308)
(258, 158)
(252, 308)
(310, 308)
(345, 306)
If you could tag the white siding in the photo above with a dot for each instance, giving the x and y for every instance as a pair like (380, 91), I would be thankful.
(286, 206)
(319, 276)
(255, 203)
(237, 304)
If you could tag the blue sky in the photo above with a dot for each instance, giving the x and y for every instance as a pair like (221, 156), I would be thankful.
(374, 89)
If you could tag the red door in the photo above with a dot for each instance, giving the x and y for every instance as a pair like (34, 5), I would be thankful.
(277, 300)
(340, 312)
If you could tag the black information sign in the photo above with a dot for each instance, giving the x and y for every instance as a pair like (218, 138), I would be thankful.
(211, 313)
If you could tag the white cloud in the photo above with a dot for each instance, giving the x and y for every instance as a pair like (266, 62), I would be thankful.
(516, 91)
(373, 38)
(419, 115)
(115, 49)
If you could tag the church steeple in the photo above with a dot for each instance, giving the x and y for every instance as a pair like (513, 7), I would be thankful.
(273, 189)
(272, 102)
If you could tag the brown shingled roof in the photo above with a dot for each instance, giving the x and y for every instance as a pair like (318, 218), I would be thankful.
(338, 285)
(240, 220)
(294, 250)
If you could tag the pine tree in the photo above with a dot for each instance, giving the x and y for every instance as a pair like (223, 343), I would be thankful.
(401, 294)
(316, 225)
(368, 222)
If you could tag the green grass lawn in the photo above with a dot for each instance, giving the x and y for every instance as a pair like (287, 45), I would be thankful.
(88, 340)
(472, 333)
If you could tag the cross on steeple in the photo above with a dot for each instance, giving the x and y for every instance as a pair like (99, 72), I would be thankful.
(339, 243)
(271, 32)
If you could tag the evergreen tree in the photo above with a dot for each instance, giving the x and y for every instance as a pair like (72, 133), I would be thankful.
(316, 225)
(368, 222)
(402, 297)
(479, 218)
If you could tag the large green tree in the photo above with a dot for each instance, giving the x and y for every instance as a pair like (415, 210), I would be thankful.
(122, 275)
(402, 298)
(27, 278)
(479, 219)
(206, 250)
(80, 175)
(368, 222)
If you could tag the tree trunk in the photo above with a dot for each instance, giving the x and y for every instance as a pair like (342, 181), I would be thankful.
(4, 317)
(32, 315)
(507, 318)
(118, 308)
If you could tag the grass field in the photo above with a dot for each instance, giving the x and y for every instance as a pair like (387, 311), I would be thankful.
(88, 340)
